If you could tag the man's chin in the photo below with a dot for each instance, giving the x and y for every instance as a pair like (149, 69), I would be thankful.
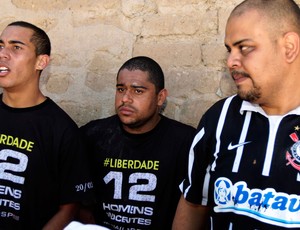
(129, 122)
(248, 96)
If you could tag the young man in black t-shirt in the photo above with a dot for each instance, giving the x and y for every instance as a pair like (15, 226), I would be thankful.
(138, 156)
(43, 174)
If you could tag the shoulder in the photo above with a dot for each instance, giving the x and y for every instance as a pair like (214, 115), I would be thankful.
(176, 126)
(54, 115)
(100, 125)
(234, 103)
(224, 109)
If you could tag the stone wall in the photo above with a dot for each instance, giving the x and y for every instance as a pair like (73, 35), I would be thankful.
(91, 39)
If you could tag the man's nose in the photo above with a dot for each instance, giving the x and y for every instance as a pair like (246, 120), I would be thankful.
(4, 53)
(126, 96)
(233, 60)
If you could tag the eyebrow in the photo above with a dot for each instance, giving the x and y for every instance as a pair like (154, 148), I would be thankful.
(133, 86)
(238, 42)
(14, 42)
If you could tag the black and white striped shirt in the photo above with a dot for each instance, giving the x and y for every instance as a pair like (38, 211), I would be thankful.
(246, 166)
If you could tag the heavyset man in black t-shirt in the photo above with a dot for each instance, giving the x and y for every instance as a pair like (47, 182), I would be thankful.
(138, 156)
(43, 175)
(244, 166)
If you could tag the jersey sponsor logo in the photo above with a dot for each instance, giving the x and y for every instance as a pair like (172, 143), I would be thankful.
(293, 154)
(231, 147)
(268, 205)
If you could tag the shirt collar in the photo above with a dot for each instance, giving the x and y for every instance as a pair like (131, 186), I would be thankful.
(252, 107)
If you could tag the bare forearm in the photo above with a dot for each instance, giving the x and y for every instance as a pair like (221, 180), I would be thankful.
(85, 216)
(190, 216)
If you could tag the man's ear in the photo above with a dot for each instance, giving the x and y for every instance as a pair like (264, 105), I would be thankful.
(42, 61)
(162, 96)
(291, 44)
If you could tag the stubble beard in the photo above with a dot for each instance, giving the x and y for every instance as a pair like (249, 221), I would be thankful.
(251, 95)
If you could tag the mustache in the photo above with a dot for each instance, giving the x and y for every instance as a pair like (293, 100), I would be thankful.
(126, 106)
(236, 72)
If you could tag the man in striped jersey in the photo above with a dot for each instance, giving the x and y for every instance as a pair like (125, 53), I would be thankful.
(244, 166)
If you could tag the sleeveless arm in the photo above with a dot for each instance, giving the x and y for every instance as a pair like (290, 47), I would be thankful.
(190, 216)
(62, 218)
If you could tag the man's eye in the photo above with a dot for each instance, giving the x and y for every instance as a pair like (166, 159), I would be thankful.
(120, 90)
(246, 49)
(17, 47)
(243, 48)
(138, 91)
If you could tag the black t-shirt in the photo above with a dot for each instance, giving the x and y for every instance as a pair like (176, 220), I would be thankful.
(42, 165)
(137, 176)
(245, 166)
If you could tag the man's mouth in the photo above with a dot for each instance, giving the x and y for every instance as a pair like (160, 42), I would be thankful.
(125, 110)
(3, 69)
(239, 74)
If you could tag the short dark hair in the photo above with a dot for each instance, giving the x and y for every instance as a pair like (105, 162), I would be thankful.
(39, 38)
(146, 64)
(283, 15)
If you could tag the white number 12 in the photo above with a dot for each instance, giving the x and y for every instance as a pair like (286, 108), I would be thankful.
(134, 189)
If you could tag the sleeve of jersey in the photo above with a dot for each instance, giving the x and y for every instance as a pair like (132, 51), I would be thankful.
(75, 180)
(183, 150)
(195, 185)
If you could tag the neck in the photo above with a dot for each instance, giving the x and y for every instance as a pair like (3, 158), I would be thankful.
(16, 100)
(279, 110)
(282, 104)
(284, 96)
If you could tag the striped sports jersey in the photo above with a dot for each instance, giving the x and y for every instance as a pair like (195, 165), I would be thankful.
(245, 165)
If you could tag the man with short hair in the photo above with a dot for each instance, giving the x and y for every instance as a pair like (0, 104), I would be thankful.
(245, 159)
(138, 156)
(42, 167)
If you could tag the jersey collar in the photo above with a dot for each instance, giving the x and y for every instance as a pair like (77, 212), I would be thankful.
(252, 107)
